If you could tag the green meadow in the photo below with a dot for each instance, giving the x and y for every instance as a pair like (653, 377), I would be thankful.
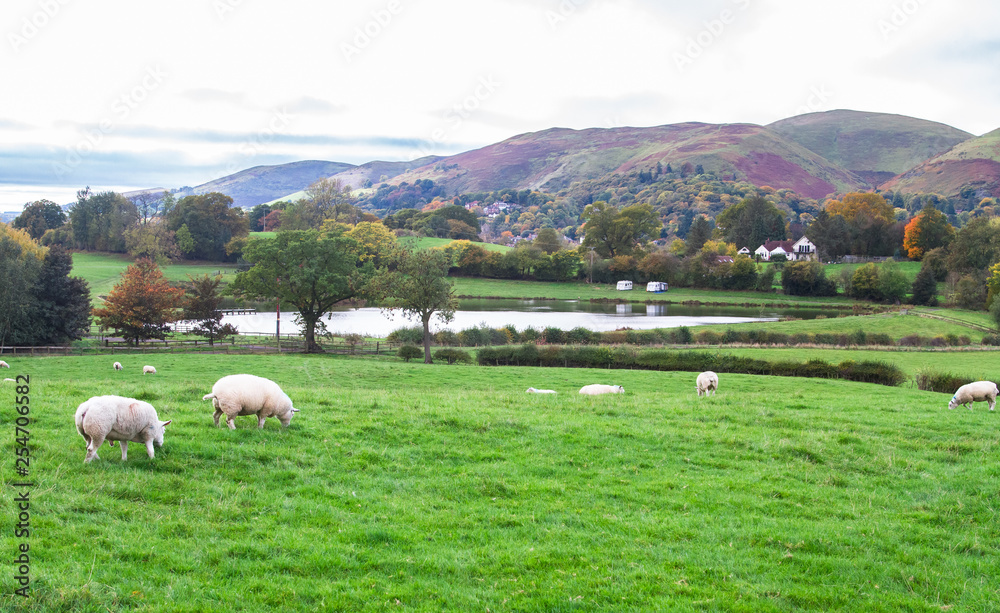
(404, 486)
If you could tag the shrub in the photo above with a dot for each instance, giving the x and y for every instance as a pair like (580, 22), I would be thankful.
(992, 340)
(911, 340)
(684, 336)
(707, 337)
(554, 336)
(858, 337)
(446, 338)
(529, 335)
(880, 338)
(800, 339)
(939, 341)
(933, 381)
(580, 336)
(453, 355)
(409, 352)
(412, 335)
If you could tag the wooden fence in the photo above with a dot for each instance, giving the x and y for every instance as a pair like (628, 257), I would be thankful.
(240, 346)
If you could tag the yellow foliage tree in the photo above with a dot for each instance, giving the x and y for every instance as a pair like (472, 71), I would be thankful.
(855, 204)
(28, 246)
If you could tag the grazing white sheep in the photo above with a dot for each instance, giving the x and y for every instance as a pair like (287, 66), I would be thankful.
(4, 364)
(532, 390)
(115, 418)
(147, 369)
(596, 389)
(117, 365)
(976, 391)
(235, 395)
(707, 382)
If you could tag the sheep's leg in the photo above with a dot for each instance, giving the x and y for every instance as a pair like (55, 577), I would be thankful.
(92, 447)
(124, 450)
(260, 422)
(993, 402)
(149, 448)
(218, 413)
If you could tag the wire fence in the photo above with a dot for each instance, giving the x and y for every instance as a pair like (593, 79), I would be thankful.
(244, 344)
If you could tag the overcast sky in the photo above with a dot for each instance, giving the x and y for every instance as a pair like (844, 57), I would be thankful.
(124, 94)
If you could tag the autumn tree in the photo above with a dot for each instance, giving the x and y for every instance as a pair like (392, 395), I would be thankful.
(416, 283)
(928, 230)
(376, 241)
(202, 308)
(306, 269)
(152, 240)
(20, 262)
(40, 216)
(142, 304)
(870, 219)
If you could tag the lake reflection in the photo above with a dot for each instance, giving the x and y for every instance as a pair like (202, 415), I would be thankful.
(522, 314)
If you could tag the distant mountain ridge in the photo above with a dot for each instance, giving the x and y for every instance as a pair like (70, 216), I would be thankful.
(817, 155)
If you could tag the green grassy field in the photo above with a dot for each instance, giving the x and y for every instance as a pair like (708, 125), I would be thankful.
(892, 323)
(103, 270)
(430, 488)
(426, 242)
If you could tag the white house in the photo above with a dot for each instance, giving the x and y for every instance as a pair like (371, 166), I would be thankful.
(802, 249)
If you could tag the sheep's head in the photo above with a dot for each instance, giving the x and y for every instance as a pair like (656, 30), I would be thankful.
(953, 402)
(158, 432)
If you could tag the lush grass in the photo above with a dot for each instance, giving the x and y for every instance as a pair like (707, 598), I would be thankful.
(427, 242)
(103, 270)
(437, 488)
(891, 323)
(973, 362)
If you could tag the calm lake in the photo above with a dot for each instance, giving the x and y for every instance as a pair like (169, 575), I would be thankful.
(538, 314)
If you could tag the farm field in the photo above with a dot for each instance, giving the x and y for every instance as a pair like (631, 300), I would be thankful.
(433, 488)
(427, 242)
(103, 270)
(891, 323)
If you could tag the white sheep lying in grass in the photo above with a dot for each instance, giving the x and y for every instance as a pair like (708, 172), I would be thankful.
(707, 382)
(596, 389)
(235, 395)
(975, 392)
(4, 364)
(147, 369)
(117, 366)
(114, 418)
(532, 390)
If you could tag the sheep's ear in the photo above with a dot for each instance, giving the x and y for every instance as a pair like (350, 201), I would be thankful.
(294, 410)
(164, 423)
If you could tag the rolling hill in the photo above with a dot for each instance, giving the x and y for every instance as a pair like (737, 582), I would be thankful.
(873, 146)
(261, 184)
(555, 158)
(973, 164)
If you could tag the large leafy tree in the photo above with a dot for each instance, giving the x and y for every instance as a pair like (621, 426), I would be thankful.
(871, 219)
(20, 262)
(376, 241)
(325, 199)
(40, 216)
(976, 246)
(212, 222)
(202, 308)
(416, 283)
(928, 230)
(548, 240)
(142, 304)
(751, 222)
(306, 269)
(100, 221)
(612, 232)
(831, 234)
